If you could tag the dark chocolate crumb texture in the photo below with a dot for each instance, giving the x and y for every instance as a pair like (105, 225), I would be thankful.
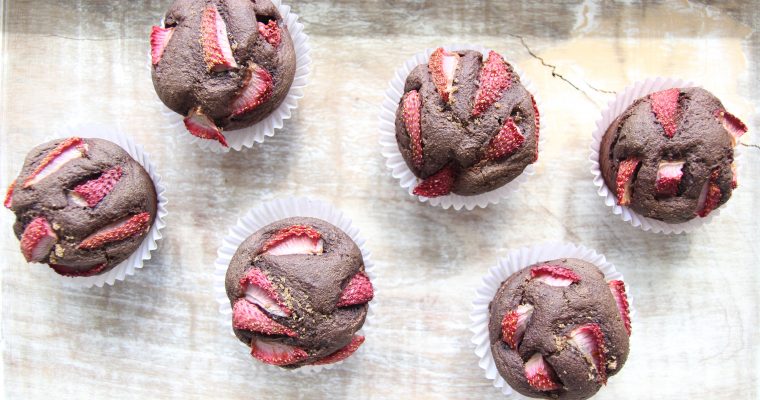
(82, 205)
(670, 155)
(298, 293)
(558, 330)
(224, 64)
(465, 125)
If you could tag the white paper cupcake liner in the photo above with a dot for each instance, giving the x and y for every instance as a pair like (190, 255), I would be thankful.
(149, 243)
(266, 214)
(513, 262)
(246, 137)
(395, 162)
(614, 108)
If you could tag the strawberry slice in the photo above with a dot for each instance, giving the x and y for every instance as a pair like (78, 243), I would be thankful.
(710, 196)
(120, 230)
(506, 142)
(9, 195)
(589, 339)
(67, 150)
(617, 288)
(554, 275)
(733, 125)
(296, 239)
(358, 291)
(443, 66)
(494, 79)
(438, 184)
(411, 105)
(200, 125)
(249, 317)
(665, 108)
(37, 240)
(159, 38)
(625, 175)
(216, 44)
(538, 123)
(342, 353)
(669, 174)
(734, 178)
(73, 273)
(257, 89)
(270, 32)
(279, 354)
(540, 374)
(260, 291)
(514, 323)
(93, 191)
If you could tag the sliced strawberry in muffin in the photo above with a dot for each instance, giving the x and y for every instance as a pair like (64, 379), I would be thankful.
(506, 142)
(669, 174)
(296, 239)
(200, 125)
(37, 240)
(66, 151)
(131, 226)
(90, 193)
(624, 181)
(438, 184)
(494, 79)
(514, 323)
(540, 374)
(217, 51)
(617, 288)
(159, 38)
(554, 275)
(257, 89)
(279, 354)
(270, 32)
(260, 291)
(358, 291)
(411, 106)
(589, 339)
(248, 316)
(443, 66)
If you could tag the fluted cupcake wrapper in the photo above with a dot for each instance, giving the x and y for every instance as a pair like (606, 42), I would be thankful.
(150, 242)
(515, 261)
(257, 133)
(266, 214)
(395, 162)
(614, 108)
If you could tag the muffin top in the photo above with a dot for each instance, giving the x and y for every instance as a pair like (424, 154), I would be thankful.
(82, 205)
(298, 293)
(670, 155)
(224, 64)
(466, 126)
(558, 330)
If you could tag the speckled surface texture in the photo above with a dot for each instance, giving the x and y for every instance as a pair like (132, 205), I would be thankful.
(159, 334)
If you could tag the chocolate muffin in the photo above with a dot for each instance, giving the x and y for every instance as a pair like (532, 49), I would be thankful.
(558, 330)
(82, 205)
(298, 293)
(466, 126)
(670, 155)
(224, 64)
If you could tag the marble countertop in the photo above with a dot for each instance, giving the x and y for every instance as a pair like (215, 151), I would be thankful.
(159, 335)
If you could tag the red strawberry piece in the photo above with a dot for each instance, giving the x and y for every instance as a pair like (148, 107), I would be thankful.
(540, 374)
(37, 240)
(200, 125)
(358, 291)
(9, 195)
(617, 288)
(506, 142)
(411, 105)
(669, 174)
(279, 354)
(538, 123)
(342, 353)
(71, 272)
(438, 184)
(494, 79)
(733, 125)
(734, 177)
(126, 228)
(260, 291)
(665, 108)
(67, 150)
(554, 275)
(92, 192)
(257, 89)
(216, 44)
(249, 317)
(589, 339)
(270, 32)
(296, 239)
(514, 323)
(159, 38)
(710, 196)
(443, 66)
(626, 171)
